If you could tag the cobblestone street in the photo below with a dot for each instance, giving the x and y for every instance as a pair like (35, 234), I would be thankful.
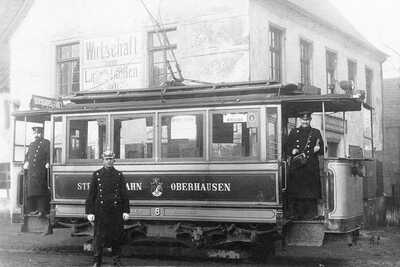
(60, 249)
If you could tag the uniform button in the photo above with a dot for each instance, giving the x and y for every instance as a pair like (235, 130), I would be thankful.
(297, 146)
(101, 189)
(98, 179)
(101, 202)
(115, 202)
(34, 159)
(297, 141)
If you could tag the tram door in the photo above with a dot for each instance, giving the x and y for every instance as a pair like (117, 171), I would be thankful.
(24, 135)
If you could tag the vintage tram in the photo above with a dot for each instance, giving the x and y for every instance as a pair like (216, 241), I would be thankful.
(204, 164)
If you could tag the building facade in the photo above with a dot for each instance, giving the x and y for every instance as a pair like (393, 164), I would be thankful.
(66, 46)
(391, 121)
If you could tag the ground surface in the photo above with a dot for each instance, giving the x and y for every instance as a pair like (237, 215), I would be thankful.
(60, 249)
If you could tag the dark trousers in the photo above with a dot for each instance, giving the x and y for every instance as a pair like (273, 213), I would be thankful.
(303, 208)
(99, 244)
(40, 203)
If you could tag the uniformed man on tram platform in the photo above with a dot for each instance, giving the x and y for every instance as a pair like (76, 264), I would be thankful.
(107, 205)
(304, 185)
(36, 166)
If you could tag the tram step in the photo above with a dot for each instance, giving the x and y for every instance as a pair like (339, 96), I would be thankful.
(306, 233)
(35, 224)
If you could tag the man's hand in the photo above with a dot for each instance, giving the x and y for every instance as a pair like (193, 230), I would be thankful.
(295, 151)
(125, 216)
(90, 217)
(316, 148)
(47, 165)
(26, 165)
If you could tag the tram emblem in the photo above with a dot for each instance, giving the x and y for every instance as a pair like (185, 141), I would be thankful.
(156, 187)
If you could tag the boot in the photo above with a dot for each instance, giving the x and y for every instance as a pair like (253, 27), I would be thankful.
(97, 261)
(117, 261)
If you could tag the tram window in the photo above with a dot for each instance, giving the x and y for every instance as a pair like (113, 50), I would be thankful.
(23, 137)
(182, 136)
(87, 138)
(58, 140)
(272, 133)
(235, 135)
(133, 137)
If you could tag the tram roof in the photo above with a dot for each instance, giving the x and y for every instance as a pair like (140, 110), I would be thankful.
(233, 94)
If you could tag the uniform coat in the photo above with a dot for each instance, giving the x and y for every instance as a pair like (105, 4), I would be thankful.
(304, 182)
(38, 155)
(107, 200)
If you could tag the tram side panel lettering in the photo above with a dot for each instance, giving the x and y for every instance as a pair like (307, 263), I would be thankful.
(209, 187)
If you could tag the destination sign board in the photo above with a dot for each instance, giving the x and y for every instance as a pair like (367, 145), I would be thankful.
(41, 102)
(180, 187)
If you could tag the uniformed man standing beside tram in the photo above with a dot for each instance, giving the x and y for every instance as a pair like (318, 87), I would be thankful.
(36, 164)
(107, 205)
(304, 186)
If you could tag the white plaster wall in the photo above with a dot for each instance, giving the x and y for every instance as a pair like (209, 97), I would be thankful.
(212, 37)
(263, 13)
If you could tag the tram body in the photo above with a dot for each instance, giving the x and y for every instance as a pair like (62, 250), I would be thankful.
(204, 166)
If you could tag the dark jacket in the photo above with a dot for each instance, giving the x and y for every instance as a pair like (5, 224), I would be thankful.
(304, 182)
(107, 200)
(38, 155)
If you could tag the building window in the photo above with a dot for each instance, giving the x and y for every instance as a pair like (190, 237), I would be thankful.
(352, 71)
(331, 65)
(275, 54)
(369, 75)
(305, 62)
(162, 62)
(68, 68)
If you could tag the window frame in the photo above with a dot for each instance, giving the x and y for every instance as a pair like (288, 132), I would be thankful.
(259, 135)
(202, 112)
(274, 71)
(68, 128)
(328, 70)
(368, 89)
(352, 63)
(69, 60)
(306, 62)
(134, 115)
(152, 49)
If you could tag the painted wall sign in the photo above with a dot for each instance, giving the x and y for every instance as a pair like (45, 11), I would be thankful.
(125, 76)
(113, 62)
(181, 187)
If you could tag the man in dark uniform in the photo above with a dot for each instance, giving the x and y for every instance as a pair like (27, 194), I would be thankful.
(36, 164)
(107, 205)
(304, 185)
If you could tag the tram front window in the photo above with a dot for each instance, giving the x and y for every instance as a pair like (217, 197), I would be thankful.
(235, 135)
(182, 136)
(87, 138)
(133, 137)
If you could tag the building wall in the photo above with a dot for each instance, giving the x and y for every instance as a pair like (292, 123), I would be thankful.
(391, 106)
(297, 25)
(212, 39)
